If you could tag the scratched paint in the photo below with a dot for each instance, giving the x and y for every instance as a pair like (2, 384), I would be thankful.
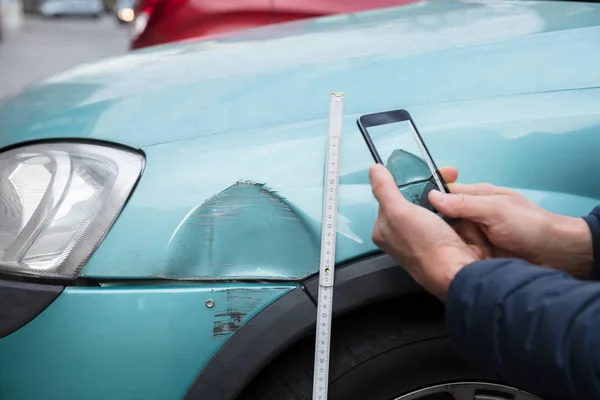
(221, 234)
(230, 315)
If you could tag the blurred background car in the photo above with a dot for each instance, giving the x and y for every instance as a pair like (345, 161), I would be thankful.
(163, 21)
(55, 8)
(123, 11)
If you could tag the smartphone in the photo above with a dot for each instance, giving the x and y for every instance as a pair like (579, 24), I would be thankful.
(394, 141)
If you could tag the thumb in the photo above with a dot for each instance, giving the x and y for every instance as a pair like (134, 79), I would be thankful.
(384, 187)
(475, 208)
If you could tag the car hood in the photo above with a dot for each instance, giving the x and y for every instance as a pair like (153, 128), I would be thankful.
(420, 54)
(234, 130)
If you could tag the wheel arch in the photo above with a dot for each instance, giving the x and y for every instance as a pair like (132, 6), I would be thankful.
(291, 318)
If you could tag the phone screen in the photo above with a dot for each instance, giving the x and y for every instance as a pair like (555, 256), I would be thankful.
(394, 141)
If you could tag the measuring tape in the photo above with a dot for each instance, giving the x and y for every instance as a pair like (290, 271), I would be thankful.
(328, 237)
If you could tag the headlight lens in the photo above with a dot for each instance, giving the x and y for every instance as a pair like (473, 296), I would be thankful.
(57, 201)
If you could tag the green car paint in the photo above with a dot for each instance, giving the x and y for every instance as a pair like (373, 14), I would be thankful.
(423, 53)
(126, 342)
(272, 231)
(234, 129)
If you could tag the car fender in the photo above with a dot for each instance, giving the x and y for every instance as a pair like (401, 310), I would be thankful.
(292, 317)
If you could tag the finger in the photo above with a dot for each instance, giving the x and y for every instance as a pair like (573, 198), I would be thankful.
(473, 235)
(475, 208)
(384, 187)
(477, 189)
(449, 174)
(377, 236)
(477, 252)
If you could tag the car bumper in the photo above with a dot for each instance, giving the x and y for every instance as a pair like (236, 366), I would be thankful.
(23, 301)
(125, 341)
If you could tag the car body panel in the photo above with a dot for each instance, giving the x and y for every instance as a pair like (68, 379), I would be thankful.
(422, 54)
(126, 341)
(483, 81)
(261, 218)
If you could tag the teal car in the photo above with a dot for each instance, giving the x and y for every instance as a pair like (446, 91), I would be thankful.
(160, 211)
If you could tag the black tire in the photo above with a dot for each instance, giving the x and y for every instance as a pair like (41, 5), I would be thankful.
(377, 354)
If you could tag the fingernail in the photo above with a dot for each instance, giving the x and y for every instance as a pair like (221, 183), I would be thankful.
(437, 196)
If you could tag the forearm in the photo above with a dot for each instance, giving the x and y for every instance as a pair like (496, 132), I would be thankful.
(535, 326)
(572, 245)
(593, 222)
(569, 247)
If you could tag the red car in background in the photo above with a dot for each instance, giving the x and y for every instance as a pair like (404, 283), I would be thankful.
(163, 21)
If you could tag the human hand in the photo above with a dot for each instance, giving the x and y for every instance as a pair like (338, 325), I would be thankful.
(469, 231)
(422, 243)
(516, 227)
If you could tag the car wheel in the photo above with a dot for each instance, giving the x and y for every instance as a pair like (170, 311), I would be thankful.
(388, 352)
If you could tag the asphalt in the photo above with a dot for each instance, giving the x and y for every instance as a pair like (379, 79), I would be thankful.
(43, 47)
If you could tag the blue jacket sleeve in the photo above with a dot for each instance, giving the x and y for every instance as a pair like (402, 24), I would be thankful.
(538, 328)
(593, 221)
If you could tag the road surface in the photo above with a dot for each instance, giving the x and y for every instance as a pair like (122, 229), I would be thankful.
(43, 47)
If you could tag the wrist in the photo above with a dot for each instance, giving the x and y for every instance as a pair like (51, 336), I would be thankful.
(449, 262)
(570, 246)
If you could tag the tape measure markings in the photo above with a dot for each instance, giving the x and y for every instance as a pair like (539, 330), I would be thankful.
(328, 239)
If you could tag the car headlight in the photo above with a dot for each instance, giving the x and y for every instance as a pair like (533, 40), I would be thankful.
(57, 201)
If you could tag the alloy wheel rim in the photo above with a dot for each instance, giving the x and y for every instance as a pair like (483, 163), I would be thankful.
(469, 391)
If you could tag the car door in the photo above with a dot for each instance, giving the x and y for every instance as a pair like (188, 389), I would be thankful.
(80, 6)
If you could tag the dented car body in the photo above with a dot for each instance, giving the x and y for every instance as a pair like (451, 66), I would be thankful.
(224, 221)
